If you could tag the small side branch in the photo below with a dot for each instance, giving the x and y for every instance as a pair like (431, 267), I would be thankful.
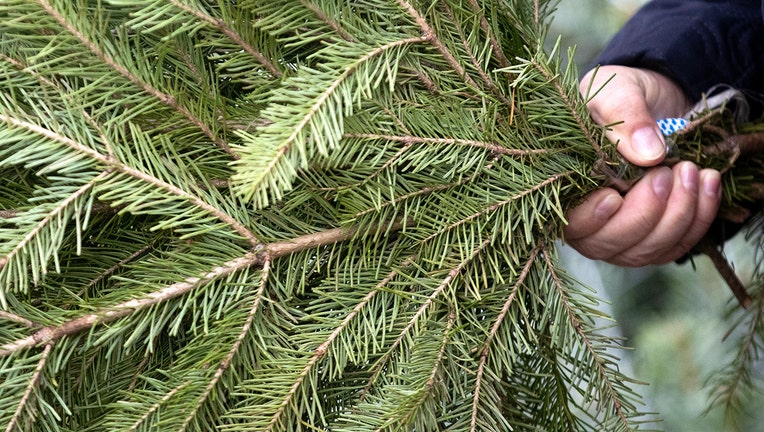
(158, 405)
(225, 364)
(17, 319)
(231, 33)
(30, 388)
(493, 207)
(478, 67)
(322, 350)
(431, 380)
(166, 99)
(485, 26)
(325, 18)
(599, 361)
(490, 146)
(109, 161)
(445, 283)
(53, 217)
(734, 385)
(429, 34)
(492, 334)
(571, 107)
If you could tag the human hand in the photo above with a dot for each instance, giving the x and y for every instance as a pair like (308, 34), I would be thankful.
(666, 212)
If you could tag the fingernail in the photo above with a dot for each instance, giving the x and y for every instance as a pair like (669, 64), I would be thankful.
(712, 184)
(648, 144)
(689, 175)
(661, 183)
(607, 207)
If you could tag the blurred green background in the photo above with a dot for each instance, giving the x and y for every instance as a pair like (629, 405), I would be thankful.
(673, 318)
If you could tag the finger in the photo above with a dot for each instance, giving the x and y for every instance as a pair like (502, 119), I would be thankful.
(709, 198)
(674, 224)
(591, 215)
(642, 209)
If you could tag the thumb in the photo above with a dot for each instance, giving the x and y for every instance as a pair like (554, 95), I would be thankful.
(623, 103)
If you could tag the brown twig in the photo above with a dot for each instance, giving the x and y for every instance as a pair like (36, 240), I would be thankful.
(707, 247)
(744, 144)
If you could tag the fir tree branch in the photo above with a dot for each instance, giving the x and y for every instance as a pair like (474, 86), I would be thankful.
(53, 215)
(426, 81)
(445, 283)
(51, 334)
(267, 252)
(408, 141)
(323, 348)
(323, 106)
(288, 80)
(492, 334)
(494, 207)
(33, 383)
(585, 129)
(430, 383)
(325, 18)
(108, 272)
(111, 162)
(221, 25)
(165, 98)
(478, 67)
(420, 192)
(730, 385)
(158, 405)
(245, 330)
(492, 147)
(21, 67)
(498, 52)
(561, 385)
(141, 366)
(397, 119)
(430, 35)
(331, 89)
(578, 326)
(95, 208)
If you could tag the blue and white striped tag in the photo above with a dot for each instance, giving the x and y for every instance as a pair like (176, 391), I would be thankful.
(671, 125)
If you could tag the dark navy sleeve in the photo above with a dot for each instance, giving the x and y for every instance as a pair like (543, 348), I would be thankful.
(696, 43)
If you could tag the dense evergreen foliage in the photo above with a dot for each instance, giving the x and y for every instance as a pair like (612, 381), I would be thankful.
(298, 215)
